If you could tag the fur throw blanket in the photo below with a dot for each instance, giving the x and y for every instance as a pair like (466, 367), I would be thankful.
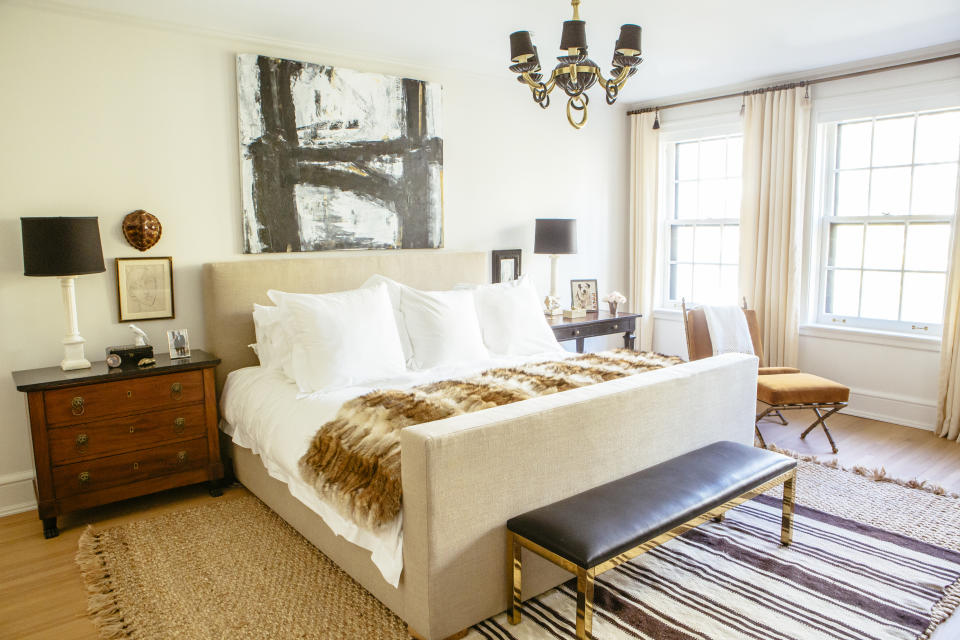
(354, 459)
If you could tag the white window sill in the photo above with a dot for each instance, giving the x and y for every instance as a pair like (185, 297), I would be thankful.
(871, 336)
(672, 315)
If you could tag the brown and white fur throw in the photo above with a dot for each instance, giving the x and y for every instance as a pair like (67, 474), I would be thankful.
(354, 459)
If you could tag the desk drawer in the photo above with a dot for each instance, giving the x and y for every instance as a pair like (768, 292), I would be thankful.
(128, 433)
(89, 402)
(591, 330)
(111, 471)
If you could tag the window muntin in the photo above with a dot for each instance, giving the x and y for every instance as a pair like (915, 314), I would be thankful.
(703, 214)
(890, 193)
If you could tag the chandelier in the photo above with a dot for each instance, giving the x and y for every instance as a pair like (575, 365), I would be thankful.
(575, 72)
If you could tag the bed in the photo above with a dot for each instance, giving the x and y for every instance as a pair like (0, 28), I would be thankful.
(464, 476)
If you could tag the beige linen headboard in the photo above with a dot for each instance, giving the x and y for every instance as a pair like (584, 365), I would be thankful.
(231, 288)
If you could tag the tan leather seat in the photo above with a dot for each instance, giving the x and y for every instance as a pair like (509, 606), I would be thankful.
(800, 388)
(771, 371)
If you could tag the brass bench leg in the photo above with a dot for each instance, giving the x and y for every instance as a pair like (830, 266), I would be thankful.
(720, 517)
(584, 604)
(789, 495)
(763, 443)
(514, 571)
(821, 418)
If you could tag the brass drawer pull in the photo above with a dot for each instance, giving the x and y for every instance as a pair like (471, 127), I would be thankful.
(136, 466)
(129, 394)
(132, 429)
(84, 477)
(176, 390)
(181, 457)
(615, 327)
(179, 424)
(76, 406)
(82, 440)
(576, 332)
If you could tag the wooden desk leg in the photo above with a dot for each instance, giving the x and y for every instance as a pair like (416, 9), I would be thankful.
(629, 340)
(579, 345)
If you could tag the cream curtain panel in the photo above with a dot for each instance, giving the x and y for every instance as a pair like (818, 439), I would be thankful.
(948, 396)
(644, 173)
(775, 148)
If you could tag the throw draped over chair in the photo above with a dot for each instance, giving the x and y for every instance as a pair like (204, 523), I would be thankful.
(779, 388)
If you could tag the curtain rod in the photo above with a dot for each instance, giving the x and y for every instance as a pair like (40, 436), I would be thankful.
(801, 83)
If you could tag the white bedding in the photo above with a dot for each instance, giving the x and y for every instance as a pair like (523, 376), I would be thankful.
(264, 411)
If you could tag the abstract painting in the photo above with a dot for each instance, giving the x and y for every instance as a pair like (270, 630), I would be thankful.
(337, 159)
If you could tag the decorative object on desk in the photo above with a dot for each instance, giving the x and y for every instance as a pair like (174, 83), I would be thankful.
(145, 288)
(141, 229)
(575, 312)
(131, 354)
(333, 158)
(65, 248)
(575, 72)
(614, 299)
(583, 294)
(147, 362)
(139, 335)
(554, 237)
(179, 343)
(506, 265)
(113, 360)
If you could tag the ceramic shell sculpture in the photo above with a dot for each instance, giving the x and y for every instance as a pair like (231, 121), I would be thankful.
(141, 229)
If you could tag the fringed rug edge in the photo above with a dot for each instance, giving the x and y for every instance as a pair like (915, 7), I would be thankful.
(103, 607)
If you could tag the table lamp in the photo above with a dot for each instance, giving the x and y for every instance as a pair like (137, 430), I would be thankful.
(65, 248)
(554, 237)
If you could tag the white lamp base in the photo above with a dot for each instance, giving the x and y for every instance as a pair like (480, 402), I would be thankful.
(73, 357)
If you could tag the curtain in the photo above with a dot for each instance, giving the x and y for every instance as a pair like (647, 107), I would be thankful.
(644, 175)
(775, 146)
(948, 395)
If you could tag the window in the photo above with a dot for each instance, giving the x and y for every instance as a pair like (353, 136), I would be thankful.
(888, 199)
(703, 212)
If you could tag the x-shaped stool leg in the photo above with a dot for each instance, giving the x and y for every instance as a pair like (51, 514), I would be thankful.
(821, 417)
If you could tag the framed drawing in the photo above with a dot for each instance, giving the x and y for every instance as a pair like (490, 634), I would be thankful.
(178, 342)
(506, 265)
(145, 288)
(583, 294)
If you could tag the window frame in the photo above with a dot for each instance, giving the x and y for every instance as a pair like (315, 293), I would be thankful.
(667, 189)
(826, 178)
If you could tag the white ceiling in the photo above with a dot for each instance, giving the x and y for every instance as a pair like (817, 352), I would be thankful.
(689, 45)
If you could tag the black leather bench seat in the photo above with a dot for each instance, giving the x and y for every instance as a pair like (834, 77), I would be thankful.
(594, 526)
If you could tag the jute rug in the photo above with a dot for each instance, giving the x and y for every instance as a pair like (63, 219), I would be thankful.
(871, 560)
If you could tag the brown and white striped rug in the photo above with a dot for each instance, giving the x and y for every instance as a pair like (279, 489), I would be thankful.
(840, 579)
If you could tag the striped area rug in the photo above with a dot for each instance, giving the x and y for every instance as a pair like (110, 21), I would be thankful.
(840, 579)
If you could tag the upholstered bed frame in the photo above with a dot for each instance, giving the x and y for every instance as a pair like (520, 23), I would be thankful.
(463, 477)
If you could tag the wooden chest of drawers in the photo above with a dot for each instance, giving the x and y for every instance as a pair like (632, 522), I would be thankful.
(101, 435)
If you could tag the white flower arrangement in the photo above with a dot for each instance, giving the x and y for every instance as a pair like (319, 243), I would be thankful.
(615, 297)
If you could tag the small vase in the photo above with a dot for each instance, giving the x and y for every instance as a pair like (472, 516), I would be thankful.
(613, 307)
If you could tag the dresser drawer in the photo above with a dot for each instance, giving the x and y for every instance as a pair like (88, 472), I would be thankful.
(89, 402)
(591, 330)
(102, 473)
(128, 433)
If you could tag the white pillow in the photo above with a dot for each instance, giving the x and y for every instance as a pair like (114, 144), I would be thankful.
(340, 339)
(393, 290)
(273, 347)
(512, 319)
(443, 327)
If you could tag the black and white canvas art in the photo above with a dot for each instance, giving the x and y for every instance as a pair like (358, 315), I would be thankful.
(337, 159)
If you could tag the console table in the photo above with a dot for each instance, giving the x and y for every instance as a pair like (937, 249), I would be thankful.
(596, 323)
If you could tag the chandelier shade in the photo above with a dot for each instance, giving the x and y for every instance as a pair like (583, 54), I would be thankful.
(575, 73)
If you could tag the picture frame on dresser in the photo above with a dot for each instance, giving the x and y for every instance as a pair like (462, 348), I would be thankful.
(506, 265)
(583, 294)
(145, 289)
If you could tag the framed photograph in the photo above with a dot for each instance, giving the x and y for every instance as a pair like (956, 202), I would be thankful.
(179, 343)
(145, 288)
(506, 265)
(583, 294)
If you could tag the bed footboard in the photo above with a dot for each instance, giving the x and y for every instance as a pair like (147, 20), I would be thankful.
(465, 476)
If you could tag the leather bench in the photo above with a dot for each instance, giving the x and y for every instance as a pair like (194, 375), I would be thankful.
(608, 525)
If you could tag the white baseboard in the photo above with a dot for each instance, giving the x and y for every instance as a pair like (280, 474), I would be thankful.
(909, 411)
(16, 493)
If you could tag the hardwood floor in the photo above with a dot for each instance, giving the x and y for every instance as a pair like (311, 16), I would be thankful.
(41, 595)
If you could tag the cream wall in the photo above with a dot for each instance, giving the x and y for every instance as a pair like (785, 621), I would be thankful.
(101, 116)
(892, 378)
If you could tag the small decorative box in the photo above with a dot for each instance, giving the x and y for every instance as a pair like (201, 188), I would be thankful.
(131, 354)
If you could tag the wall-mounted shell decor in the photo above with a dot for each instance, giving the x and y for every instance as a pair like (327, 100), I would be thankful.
(141, 229)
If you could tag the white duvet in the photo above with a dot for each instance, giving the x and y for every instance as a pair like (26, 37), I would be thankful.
(263, 411)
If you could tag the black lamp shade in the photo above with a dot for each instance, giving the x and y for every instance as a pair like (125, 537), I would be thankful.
(629, 40)
(61, 246)
(555, 236)
(574, 35)
(520, 45)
